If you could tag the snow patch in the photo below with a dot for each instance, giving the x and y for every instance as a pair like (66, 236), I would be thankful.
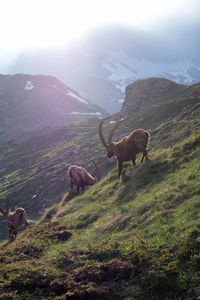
(120, 100)
(70, 93)
(85, 113)
(121, 87)
(29, 85)
(118, 71)
(124, 69)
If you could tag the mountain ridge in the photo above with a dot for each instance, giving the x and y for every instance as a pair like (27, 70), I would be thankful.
(103, 62)
(29, 102)
(144, 93)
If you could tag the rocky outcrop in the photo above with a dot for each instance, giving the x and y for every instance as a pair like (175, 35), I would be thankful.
(148, 92)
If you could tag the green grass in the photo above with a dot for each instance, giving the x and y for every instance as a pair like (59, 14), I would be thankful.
(133, 238)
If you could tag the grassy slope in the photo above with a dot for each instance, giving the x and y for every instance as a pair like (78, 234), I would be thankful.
(38, 167)
(134, 238)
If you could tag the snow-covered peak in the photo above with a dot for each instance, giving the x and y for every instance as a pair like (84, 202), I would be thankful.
(122, 68)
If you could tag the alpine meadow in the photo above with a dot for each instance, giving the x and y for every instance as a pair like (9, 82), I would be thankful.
(133, 237)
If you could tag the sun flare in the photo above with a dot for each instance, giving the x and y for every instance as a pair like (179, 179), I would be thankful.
(47, 23)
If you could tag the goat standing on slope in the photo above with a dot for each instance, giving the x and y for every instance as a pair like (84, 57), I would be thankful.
(80, 177)
(15, 219)
(128, 147)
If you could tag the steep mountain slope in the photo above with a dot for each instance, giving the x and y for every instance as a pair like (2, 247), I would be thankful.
(30, 102)
(33, 168)
(134, 238)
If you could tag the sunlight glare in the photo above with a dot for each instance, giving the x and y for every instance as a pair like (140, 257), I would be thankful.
(46, 23)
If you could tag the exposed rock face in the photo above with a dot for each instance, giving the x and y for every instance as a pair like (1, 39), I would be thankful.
(144, 93)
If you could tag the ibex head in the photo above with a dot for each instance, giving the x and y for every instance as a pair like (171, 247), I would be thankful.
(110, 146)
(6, 212)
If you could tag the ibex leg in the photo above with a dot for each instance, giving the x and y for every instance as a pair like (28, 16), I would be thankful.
(143, 156)
(144, 151)
(133, 161)
(120, 165)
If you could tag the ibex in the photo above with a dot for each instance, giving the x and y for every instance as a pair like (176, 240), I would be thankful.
(15, 219)
(80, 177)
(128, 147)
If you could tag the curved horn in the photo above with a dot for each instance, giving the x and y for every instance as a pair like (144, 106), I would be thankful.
(101, 135)
(113, 130)
(7, 206)
(97, 171)
(2, 211)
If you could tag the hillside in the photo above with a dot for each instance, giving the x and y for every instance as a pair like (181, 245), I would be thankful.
(137, 238)
(133, 238)
(31, 102)
(33, 168)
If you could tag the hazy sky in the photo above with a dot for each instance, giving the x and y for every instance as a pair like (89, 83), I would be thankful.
(48, 23)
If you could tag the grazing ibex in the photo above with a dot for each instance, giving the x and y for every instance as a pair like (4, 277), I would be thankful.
(80, 177)
(128, 147)
(15, 219)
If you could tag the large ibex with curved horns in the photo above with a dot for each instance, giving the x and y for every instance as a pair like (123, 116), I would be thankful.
(128, 147)
(80, 177)
(15, 219)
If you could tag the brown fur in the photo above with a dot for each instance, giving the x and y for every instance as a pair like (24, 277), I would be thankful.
(127, 148)
(80, 177)
(15, 220)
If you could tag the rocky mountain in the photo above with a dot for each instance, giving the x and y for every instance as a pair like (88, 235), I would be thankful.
(146, 93)
(108, 66)
(30, 102)
(106, 60)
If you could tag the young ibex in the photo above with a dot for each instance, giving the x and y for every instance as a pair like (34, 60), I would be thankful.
(15, 219)
(80, 177)
(128, 147)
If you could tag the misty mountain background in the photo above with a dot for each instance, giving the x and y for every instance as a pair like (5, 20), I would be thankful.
(105, 60)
